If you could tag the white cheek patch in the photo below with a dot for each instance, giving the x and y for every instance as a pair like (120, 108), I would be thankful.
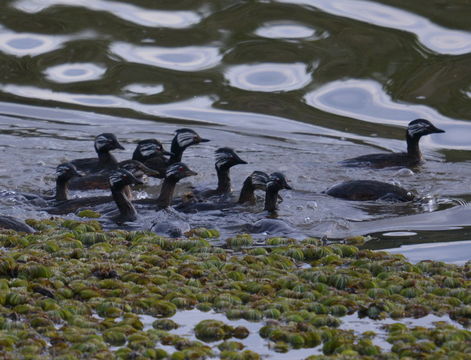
(223, 157)
(148, 149)
(62, 170)
(172, 170)
(115, 178)
(259, 179)
(416, 129)
(185, 138)
(101, 141)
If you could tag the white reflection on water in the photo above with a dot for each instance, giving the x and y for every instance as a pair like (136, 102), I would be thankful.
(131, 13)
(434, 37)
(366, 100)
(69, 73)
(190, 58)
(143, 89)
(198, 109)
(284, 31)
(268, 77)
(27, 44)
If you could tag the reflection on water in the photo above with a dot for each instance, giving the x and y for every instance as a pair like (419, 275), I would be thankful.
(131, 13)
(29, 44)
(286, 31)
(189, 58)
(320, 84)
(434, 37)
(268, 77)
(67, 73)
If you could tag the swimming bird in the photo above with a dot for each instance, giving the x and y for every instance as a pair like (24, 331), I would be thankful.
(182, 140)
(153, 155)
(104, 143)
(276, 182)
(363, 190)
(62, 205)
(99, 180)
(415, 130)
(119, 180)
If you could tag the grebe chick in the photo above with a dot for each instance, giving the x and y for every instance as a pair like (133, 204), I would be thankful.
(255, 181)
(225, 158)
(100, 180)
(152, 154)
(364, 190)
(119, 180)
(104, 143)
(413, 157)
(63, 205)
(276, 182)
(9, 222)
(182, 140)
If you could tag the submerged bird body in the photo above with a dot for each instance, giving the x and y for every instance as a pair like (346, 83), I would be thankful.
(364, 190)
(413, 157)
(9, 222)
(119, 180)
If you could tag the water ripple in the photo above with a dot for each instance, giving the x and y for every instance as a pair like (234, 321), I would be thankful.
(190, 58)
(434, 37)
(287, 31)
(268, 77)
(28, 44)
(131, 13)
(74, 72)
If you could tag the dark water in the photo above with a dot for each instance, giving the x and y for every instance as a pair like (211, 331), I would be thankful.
(294, 86)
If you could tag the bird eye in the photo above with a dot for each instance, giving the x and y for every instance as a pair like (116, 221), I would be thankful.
(181, 169)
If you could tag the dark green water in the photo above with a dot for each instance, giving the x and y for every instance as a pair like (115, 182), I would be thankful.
(293, 86)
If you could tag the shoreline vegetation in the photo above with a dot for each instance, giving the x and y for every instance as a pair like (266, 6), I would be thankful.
(74, 291)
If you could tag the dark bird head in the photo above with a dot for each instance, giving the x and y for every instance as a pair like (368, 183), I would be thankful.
(178, 171)
(66, 171)
(421, 127)
(277, 181)
(259, 180)
(138, 169)
(226, 157)
(121, 177)
(185, 137)
(107, 142)
(149, 148)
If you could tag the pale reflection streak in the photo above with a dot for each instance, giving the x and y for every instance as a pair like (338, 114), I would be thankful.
(196, 109)
(284, 31)
(29, 44)
(432, 36)
(189, 58)
(131, 13)
(268, 77)
(74, 72)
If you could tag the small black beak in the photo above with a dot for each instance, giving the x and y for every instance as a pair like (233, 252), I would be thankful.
(437, 131)
(287, 187)
(240, 161)
(119, 146)
(204, 140)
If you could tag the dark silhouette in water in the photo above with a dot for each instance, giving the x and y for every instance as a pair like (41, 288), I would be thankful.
(119, 180)
(413, 157)
(363, 190)
(153, 155)
(9, 222)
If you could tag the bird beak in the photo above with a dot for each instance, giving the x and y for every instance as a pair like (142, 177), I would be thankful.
(204, 140)
(287, 187)
(240, 161)
(119, 146)
(191, 173)
(437, 131)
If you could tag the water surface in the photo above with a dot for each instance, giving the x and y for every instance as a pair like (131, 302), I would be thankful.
(293, 85)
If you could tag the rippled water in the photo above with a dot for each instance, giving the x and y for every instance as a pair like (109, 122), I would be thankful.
(293, 85)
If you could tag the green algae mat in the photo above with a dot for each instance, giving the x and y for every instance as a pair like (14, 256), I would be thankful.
(73, 291)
